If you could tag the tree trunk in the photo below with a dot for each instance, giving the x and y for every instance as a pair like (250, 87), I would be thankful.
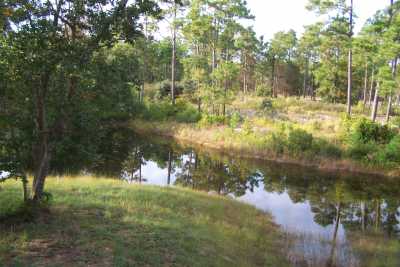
(25, 188)
(389, 108)
(390, 99)
(140, 171)
(305, 78)
(245, 74)
(41, 170)
(41, 151)
(365, 85)
(371, 90)
(173, 61)
(273, 78)
(376, 104)
(331, 259)
(141, 93)
(169, 166)
(225, 94)
(350, 62)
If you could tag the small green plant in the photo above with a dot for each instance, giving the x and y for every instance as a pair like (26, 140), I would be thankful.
(390, 153)
(324, 148)
(396, 122)
(299, 141)
(235, 120)
(209, 120)
(263, 90)
(366, 131)
(277, 143)
(266, 105)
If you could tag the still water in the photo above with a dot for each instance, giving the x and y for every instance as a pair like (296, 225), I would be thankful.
(328, 219)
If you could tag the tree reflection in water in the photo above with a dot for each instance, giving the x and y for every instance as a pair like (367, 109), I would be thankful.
(360, 213)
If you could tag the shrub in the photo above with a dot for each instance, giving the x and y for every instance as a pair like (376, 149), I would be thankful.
(266, 105)
(263, 90)
(277, 143)
(326, 149)
(391, 152)
(164, 89)
(366, 131)
(235, 119)
(299, 141)
(188, 115)
(208, 120)
(396, 122)
(361, 151)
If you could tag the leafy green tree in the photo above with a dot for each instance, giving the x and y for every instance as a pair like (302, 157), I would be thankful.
(54, 43)
(224, 74)
(340, 26)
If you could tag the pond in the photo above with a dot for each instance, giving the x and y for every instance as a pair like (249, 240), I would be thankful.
(328, 219)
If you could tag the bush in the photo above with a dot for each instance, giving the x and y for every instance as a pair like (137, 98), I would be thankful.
(235, 119)
(365, 131)
(266, 105)
(263, 90)
(391, 152)
(188, 115)
(278, 143)
(299, 141)
(208, 120)
(164, 110)
(361, 151)
(164, 89)
(324, 148)
(396, 122)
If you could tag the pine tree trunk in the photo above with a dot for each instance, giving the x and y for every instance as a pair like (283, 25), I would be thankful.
(389, 108)
(169, 167)
(371, 90)
(350, 63)
(365, 85)
(376, 104)
(173, 61)
(273, 78)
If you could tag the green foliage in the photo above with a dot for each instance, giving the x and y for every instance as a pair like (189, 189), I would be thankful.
(299, 141)
(390, 154)
(164, 110)
(164, 89)
(235, 119)
(324, 148)
(371, 142)
(278, 143)
(208, 120)
(396, 122)
(362, 151)
(263, 90)
(188, 115)
(366, 131)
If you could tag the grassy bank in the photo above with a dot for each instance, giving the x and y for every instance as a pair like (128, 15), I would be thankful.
(305, 132)
(258, 146)
(104, 222)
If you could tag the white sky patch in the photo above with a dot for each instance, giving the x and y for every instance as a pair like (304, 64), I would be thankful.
(282, 15)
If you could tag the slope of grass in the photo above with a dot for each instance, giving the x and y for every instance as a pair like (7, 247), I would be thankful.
(300, 131)
(104, 222)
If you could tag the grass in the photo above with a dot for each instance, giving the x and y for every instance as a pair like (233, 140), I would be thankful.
(105, 222)
(264, 132)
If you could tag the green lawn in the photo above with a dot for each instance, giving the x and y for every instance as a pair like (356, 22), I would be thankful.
(104, 222)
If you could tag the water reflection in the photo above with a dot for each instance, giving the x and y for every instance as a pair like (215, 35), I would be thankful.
(339, 220)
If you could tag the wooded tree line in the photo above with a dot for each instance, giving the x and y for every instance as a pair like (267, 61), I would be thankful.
(220, 56)
(71, 69)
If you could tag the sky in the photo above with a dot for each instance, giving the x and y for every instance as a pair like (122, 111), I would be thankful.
(277, 15)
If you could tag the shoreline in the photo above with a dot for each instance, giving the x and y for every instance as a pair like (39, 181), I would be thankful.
(187, 135)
